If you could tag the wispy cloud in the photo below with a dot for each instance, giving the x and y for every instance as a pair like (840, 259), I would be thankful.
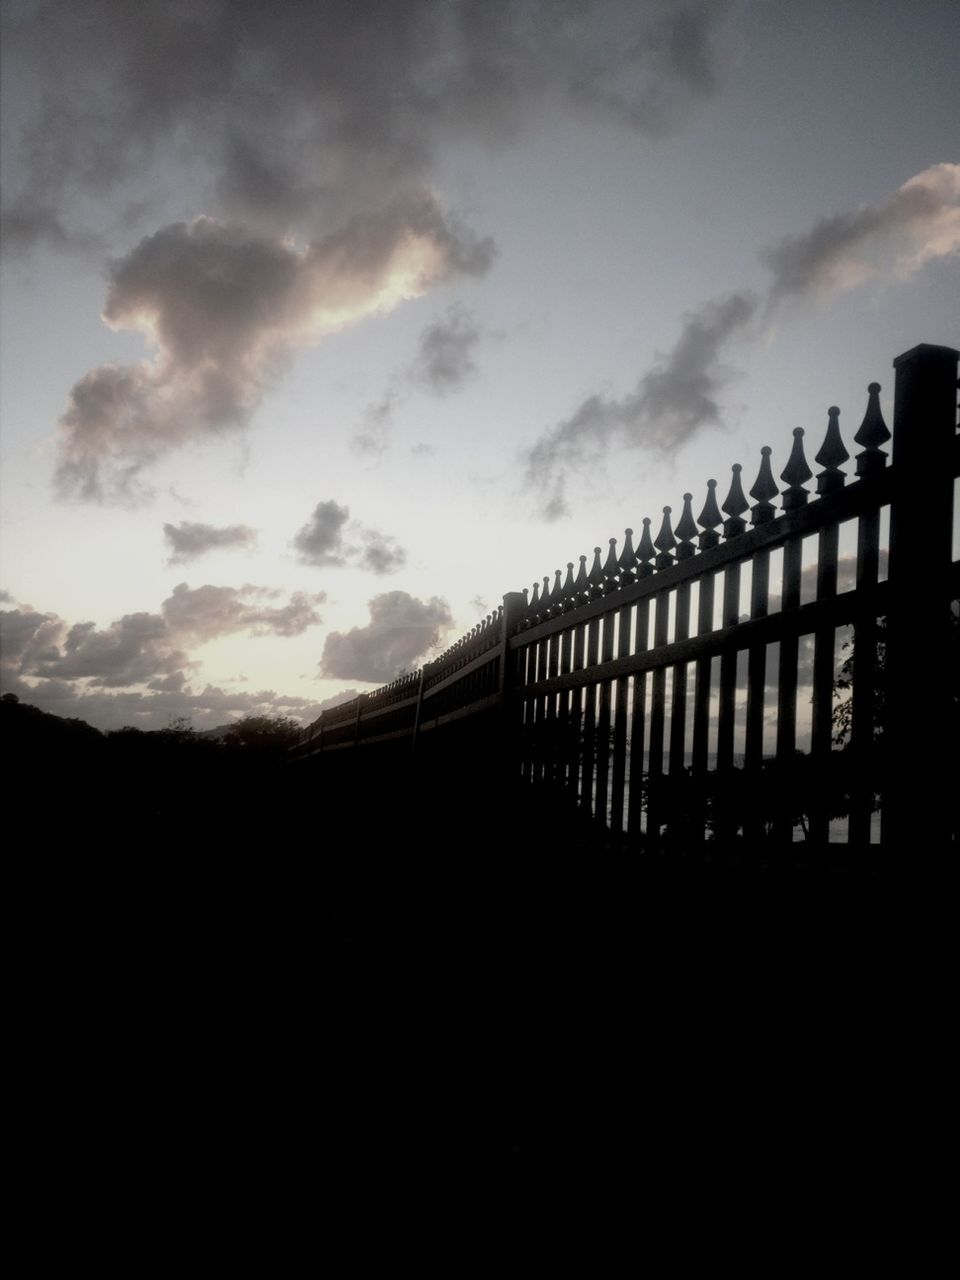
(918, 224)
(680, 395)
(191, 539)
(672, 402)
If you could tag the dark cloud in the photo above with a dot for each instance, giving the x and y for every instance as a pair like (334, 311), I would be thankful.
(189, 539)
(400, 633)
(381, 554)
(322, 542)
(919, 223)
(221, 308)
(673, 401)
(442, 365)
(143, 648)
(445, 357)
(297, 120)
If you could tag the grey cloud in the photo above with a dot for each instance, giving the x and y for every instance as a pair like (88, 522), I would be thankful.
(190, 539)
(133, 650)
(141, 648)
(222, 307)
(919, 223)
(301, 119)
(203, 613)
(673, 401)
(445, 357)
(381, 554)
(322, 542)
(443, 365)
(402, 629)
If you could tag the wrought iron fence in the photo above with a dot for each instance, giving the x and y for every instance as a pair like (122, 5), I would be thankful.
(752, 674)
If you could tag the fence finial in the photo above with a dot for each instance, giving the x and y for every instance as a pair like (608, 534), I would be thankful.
(709, 518)
(595, 576)
(645, 551)
(569, 589)
(796, 473)
(556, 595)
(872, 434)
(764, 489)
(628, 558)
(611, 568)
(831, 454)
(734, 505)
(686, 530)
(665, 541)
(582, 583)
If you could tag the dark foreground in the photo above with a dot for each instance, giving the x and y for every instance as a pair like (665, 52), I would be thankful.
(335, 988)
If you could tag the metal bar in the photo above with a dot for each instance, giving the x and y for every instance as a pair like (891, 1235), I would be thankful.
(756, 688)
(638, 725)
(620, 726)
(824, 655)
(657, 707)
(864, 693)
(787, 687)
(842, 505)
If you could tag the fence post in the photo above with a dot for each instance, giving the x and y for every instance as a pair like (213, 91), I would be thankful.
(514, 604)
(920, 788)
(419, 711)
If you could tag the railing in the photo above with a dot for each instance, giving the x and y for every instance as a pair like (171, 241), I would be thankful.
(749, 676)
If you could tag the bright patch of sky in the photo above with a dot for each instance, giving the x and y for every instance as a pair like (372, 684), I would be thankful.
(591, 256)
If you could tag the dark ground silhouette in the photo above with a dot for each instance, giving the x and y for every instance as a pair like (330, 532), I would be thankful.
(358, 972)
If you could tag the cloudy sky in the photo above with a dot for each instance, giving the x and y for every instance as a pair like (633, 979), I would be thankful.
(326, 324)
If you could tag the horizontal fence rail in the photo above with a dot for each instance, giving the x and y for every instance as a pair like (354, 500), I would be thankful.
(750, 675)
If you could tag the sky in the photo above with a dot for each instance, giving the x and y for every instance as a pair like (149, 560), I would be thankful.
(325, 325)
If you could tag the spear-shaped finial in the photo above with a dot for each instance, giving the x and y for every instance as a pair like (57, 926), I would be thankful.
(611, 568)
(796, 473)
(831, 454)
(645, 551)
(709, 518)
(628, 558)
(765, 488)
(569, 589)
(595, 575)
(665, 541)
(583, 582)
(556, 595)
(872, 434)
(686, 530)
(734, 505)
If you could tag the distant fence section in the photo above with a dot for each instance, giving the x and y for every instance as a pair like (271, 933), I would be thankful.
(754, 675)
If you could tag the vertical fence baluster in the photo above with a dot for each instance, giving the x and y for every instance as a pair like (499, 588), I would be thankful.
(576, 714)
(636, 777)
(756, 685)
(701, 708)
(590, 717)
(603, 724)
(620, 726)
(567, 758)
(657, 708)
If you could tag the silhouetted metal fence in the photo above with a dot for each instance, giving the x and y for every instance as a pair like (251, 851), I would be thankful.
(747, 676)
